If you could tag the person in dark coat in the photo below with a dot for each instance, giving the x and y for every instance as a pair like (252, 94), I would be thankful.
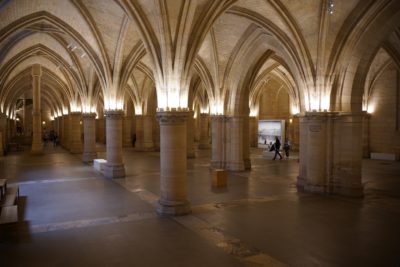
(277, 147)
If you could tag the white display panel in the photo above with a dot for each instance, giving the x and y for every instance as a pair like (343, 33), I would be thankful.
(268, 130)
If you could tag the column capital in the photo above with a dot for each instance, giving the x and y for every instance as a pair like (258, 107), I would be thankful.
(114, 114)
(75, 113)
(172, 117)
(36, 70)
(89, 115)
(219, 117)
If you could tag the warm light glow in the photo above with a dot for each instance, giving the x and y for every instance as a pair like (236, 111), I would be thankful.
(43, 122)
(138, 110)
(217, 108)
(290, 120)
(370, 108)
(113, 104)
(253, 111)
(80, 122)
(65, 111)
(317, 103)
(204, 110)
(88, 109)
(51, 118)
(74, 107)
(294, 110)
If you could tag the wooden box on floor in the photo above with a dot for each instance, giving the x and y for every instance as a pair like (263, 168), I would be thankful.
(219, 178)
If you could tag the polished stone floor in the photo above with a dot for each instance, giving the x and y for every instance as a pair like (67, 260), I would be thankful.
(72, 216)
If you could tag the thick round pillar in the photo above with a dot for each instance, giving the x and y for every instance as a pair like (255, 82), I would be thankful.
(347, 150)
(89, 132)
(75, 144)
(127, 128)
(114, 168)
(3, 122)
(173, 199)
(148, 144)
(139, 132)
(235, 139)
(330, 153)
(66, 136)
(365, 135)
(204, 140)
(37, 145)
(190, 135)
(218, 141)
(253, 131)
(101, 128)
(246, 143)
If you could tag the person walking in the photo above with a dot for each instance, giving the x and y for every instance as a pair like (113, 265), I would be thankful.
(286, 147)
(277, 146)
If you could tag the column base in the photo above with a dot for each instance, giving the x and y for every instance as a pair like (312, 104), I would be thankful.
(190, 155)
(204, 146)
(37, 149)
(174, 208)
(75, 148)
(349, 190)
(217, 165)
(236, 166)
(89, 157)
(127, 144)
(336, 189)
(247, 164)
(114, 171)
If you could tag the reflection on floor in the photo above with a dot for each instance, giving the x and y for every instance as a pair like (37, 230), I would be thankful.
(72, 216)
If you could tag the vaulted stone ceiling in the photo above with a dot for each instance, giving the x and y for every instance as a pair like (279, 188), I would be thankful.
(100, 53)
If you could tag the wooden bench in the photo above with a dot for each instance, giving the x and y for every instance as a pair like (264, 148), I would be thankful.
(11, 196)
(9, 214)
(3, 188)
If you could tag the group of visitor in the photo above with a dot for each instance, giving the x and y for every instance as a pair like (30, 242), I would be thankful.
(277, 146)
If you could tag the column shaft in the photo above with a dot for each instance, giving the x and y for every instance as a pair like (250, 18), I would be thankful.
(204, 140)
(218, 141)
(89, 131)
(75, 144)
(235, 139)
(330, 153)
(190, 135)
(114, 168)
(37, 145)
(148, 144)
(127, 127)
(173, 199)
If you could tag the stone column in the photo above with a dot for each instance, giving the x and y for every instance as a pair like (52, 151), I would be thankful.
(246, 143)
(204, 141)
(101, 129)
(347, 154)
(148, 144)
(190, 135)
(218, 141)
(253, 125)
(75, 144)
(365, 135)
(139, 132)
(66, 137)
(89, 131)
(294, 133)
(114, 168)
(37, 145)
(127, 123)
(173, 199)
(235, 153)
(330, 153)
(3, 123)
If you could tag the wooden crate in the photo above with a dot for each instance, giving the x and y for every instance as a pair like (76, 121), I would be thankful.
(219, 178)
